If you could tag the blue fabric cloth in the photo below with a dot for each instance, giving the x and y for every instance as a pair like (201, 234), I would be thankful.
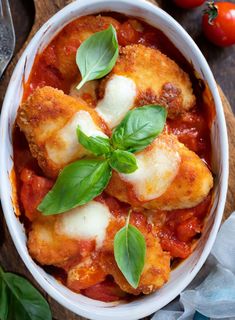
(199, 316)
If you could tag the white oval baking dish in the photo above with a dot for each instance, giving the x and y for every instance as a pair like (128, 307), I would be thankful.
(182, 275)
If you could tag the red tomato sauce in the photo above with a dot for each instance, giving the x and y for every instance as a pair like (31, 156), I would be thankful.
(180, 227)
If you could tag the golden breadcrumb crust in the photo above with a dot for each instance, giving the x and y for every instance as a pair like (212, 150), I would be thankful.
(191, 185)
(158, 79)
(44, 113)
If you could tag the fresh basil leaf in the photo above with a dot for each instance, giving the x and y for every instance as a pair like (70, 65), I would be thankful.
(77, 184)
(129, 253)
(23, 300)
(3, 300)
(97, 145)
(123, 161)
(97, 55)
(139, 128)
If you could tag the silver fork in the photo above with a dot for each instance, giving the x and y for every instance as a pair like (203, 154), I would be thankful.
(7, 35)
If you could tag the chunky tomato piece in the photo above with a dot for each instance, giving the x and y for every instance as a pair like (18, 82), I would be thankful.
(117, 208)
(127, 34)
(84, 276)
(33, 190)
(86, 247)
(89, 99)
(177, 217)
(180, 227)
(202, 209)
(192, 130)
(188, 229)
(49, 56)
(48, 75)
(111, 202)
(150, 38)
(106, 291)
(176, 248)
(45, 73)
(72, 47)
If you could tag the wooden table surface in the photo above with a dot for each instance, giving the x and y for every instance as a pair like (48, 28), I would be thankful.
(222, 62)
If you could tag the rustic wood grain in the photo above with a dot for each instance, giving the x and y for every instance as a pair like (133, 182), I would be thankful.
(9, 257)
(230, 121)
(44, 9)
(23, 12)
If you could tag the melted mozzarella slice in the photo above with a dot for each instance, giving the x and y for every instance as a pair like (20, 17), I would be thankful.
(119, 97)
(157, 167)
(64, 147)
(86, 222)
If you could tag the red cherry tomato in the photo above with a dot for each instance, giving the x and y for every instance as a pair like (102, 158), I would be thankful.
(188, 4)
(218, 23)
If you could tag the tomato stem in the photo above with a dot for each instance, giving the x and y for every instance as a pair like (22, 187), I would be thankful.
(212, 11)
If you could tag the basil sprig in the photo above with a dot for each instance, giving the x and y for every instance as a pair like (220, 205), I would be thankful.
(130, 252)
(139, 128)
(97, 55)
(83, 180)
(20, 300)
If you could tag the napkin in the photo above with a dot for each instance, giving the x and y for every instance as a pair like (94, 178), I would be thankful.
(211, 295)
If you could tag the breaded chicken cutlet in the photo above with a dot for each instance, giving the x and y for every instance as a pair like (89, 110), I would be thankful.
(47, 234)
(169, 177)
(69, 40)
(157, 78)
(49, 119)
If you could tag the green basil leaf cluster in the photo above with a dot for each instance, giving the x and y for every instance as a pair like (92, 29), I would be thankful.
(130, 252)
(20, 300)
(83, 180)
(97, 55)
(120, 160)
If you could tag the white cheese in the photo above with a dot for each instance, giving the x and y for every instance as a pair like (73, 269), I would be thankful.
(119, 97)
(157, 167)
(86, 222)
(67, 147)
